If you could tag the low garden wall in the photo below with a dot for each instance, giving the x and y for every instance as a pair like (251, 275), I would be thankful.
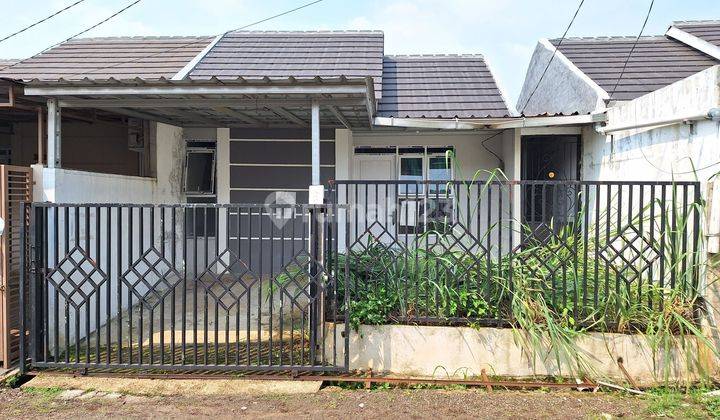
(459, 352)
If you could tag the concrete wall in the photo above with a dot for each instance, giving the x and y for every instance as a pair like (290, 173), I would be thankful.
(441, 352)
(563, 90)
(65, 185)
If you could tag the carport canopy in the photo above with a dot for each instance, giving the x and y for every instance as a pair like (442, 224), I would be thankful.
(264, 103)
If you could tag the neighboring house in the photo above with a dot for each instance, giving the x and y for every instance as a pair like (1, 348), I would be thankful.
(656, 105)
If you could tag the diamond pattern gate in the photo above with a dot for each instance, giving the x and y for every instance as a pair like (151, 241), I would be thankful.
(183, 287)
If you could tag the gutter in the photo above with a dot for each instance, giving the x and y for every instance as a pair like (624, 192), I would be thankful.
(489, 123)
(712, 114)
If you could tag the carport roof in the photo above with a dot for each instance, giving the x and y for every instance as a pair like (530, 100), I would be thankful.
(213, 102)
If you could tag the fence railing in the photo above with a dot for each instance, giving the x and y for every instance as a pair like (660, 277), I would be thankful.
(151, 287)
(459, 252)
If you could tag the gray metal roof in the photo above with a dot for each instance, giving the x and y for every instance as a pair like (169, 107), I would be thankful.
(4, 62)
(439, 86)
(260, 54)
(707, 30)
(430, 86)
(117, 57)
(655, 62)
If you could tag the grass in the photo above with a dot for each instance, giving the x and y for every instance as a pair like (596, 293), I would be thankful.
(49, 393)
(681, 403)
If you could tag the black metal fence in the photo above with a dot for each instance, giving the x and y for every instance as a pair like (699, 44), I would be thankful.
(139, 286)
(459, 252)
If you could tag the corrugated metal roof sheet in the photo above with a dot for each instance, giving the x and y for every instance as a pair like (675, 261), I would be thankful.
(299, 54)
(707, 30)
(440, 86)
(655, 62)
(118, 57)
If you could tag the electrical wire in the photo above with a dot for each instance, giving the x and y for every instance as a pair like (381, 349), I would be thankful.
(203, 42)
(482, 143)
(627, 59)
(78, 34)
(40, 21)
(552, 57)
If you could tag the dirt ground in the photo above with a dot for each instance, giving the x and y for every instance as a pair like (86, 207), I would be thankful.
(334, 402)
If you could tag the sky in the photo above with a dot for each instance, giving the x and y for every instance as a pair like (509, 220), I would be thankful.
(504, 31)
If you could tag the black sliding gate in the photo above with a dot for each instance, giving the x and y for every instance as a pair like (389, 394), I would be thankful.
(182, 287)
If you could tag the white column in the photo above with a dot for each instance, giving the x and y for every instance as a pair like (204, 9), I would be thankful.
(315, 137)
(54, 123)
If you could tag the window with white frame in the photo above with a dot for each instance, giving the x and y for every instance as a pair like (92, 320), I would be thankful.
(427, 206)
(420, 206)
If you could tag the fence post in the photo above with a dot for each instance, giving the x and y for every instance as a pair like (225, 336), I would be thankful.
(316, 255)
(21, 290)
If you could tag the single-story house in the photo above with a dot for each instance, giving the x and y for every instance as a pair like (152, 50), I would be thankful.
(310, 166)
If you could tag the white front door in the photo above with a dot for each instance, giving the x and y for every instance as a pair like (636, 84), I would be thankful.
(375, 212)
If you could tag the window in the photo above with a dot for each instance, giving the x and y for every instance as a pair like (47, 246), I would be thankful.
(420, 208)
(200, 171)
(411, 169)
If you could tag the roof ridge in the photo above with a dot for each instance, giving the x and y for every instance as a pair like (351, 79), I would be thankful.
(323, 31)
(140, 37)
(433, 55)
(696, 22)
(608, 38)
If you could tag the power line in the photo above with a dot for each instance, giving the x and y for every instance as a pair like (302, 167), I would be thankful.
(647, 16)
(553, 56)
(202, 41)
(78, 34)
(41, 21)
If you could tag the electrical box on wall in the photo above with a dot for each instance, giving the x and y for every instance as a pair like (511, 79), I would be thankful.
(136, 138)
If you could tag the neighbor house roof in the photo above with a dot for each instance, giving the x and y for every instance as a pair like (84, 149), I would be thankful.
(260, 54)
(118, 57)
(440, 86)
(656, 61)
(707, 30)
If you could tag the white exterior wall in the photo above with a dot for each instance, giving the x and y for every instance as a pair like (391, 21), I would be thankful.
(681, 152)
(471, 157)
(72, 186)
(564, 89)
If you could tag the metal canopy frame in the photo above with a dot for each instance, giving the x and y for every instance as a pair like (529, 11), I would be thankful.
(261, 103)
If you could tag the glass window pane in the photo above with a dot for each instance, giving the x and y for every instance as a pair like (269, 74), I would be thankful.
(411, 169)
(439, 170)
(199, 172)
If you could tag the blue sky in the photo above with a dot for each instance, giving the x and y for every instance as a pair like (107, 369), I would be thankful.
(504, 31)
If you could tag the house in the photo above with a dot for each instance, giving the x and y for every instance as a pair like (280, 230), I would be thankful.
(659, 96)
(195, 196)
